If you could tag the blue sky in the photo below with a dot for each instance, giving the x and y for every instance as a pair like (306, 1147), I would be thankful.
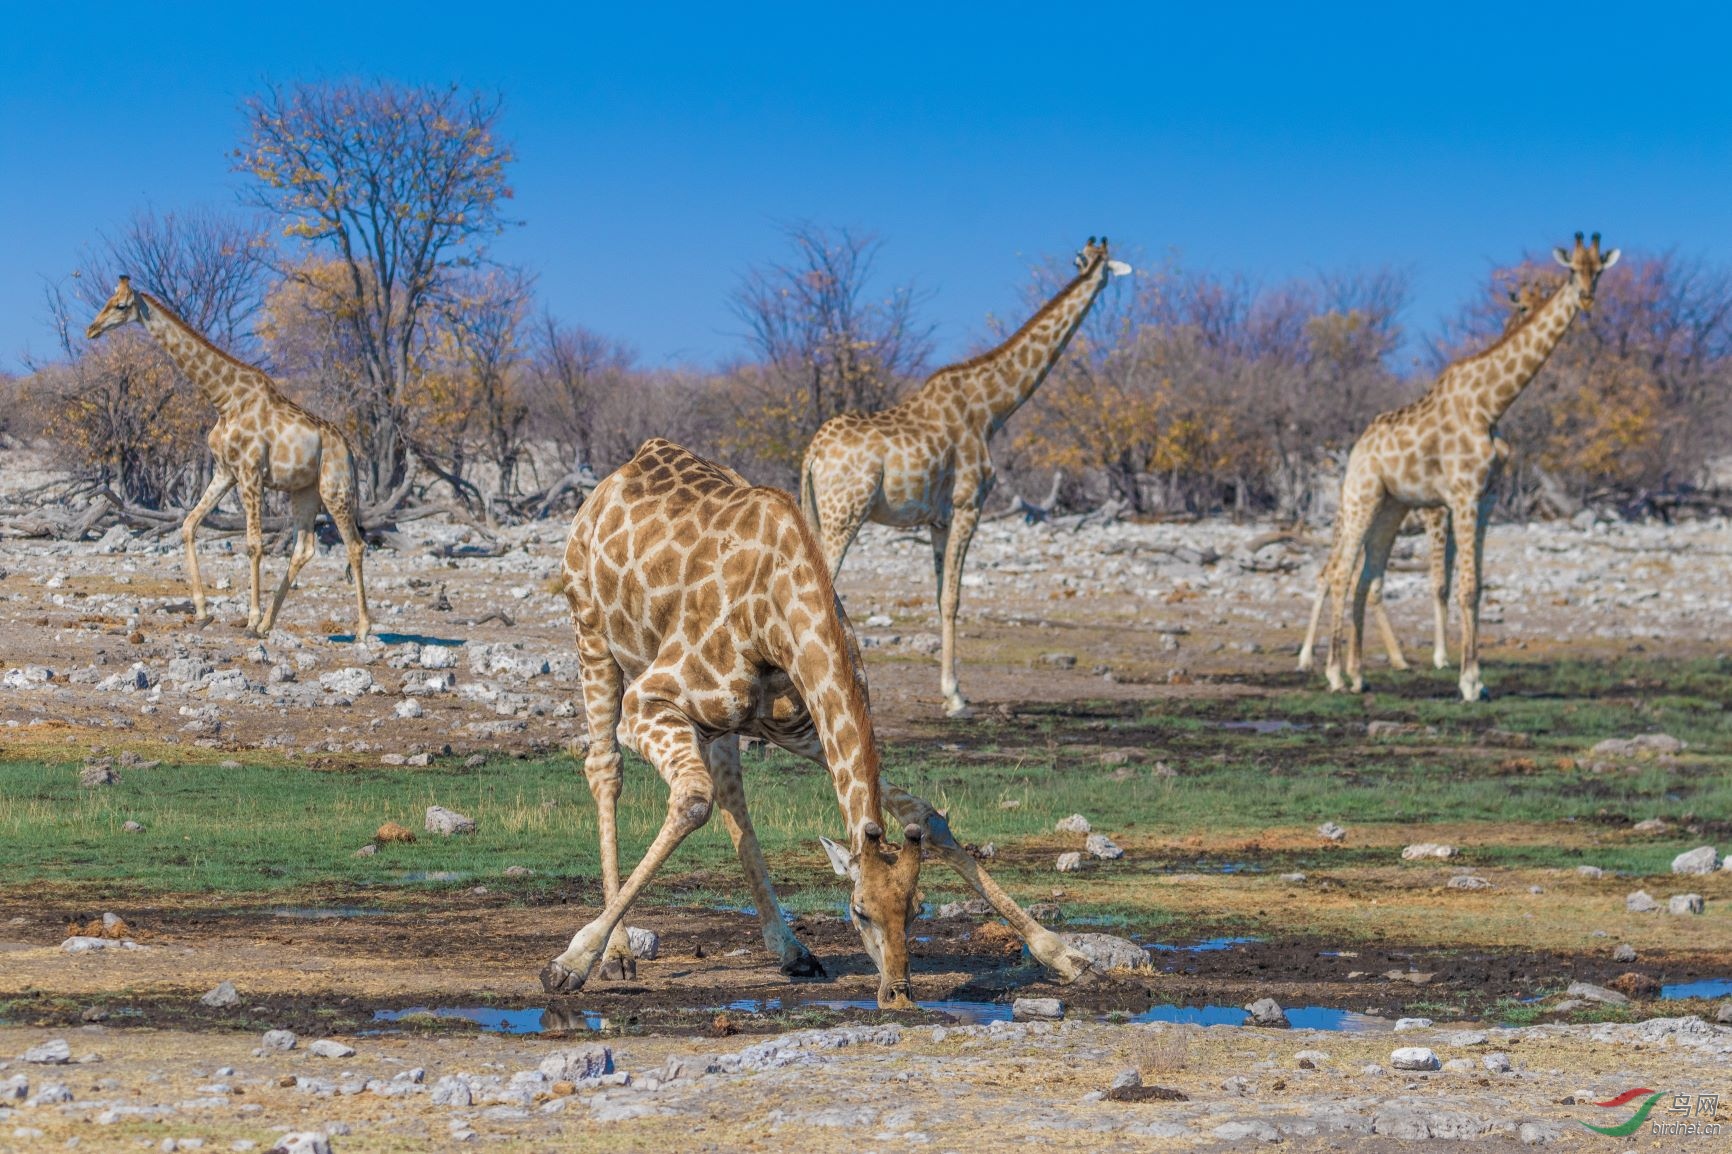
(661, 145)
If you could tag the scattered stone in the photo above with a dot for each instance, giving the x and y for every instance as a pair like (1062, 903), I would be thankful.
(1380, 730)
(1724, 1013)
(1459, 1066)
(1267, 1012)
(575, 1065)
(1239, 1131)
(1126, 1079)
(1643, 745)
(222, 996)
(1075, 823)
(518, 871)
(131, 827)
(1315, 1057)
(1624, 953)
(350, 682)
(278, 1041)
(1701, 860)
(1036, 1009)
(448, 822)
(1537, 1133)
(15, 1089)
(1650, 825)
(1296, 879)
(1058, 660)
(645, 944)
(1595, 993)
(1497, 1063)
(1684, 904)
(1414, 1058)
(1427, 849)
(1590, 871)
(1070, 863)
(1106, 952)
(408, 709)
(305, 1142)
(1331, 832)
(50, 1053)
(392, 831)
(330, 1048)
(96, 776)
(452, 1091)
(1101, 846)
(1469, 882)
(367, 850)
(475, 761)
(1641, 902)
(1404, 1025)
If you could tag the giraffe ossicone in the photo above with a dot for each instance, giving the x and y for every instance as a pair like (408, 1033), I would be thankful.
(1442, 452)
(703, 611)
(926, 461)
(261, 440)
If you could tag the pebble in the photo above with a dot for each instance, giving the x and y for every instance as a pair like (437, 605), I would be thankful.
(1497, 1063)
(1108, 952)
(1126, 1079)
(305, 1142)
(1404, 1025)
(1427, 849)
(1641, 902)
(277, 1041)
(408, 709)
(1413, 1058)
(1459, 1066)
(330, 1048)
(1267, 1012)
(1331, 832)
(131, 827)
(1036, 1009)
(448, 822)
(1070, 863)
(645, 944)
(576, 1065)
(1296, 879)
(1075, 823)
(1470, 882)
(51, 1053)
(1595, 993)
(1590, 871)
(1101, 846)
(1624, 953)
(1684, 904)
(1724, 1013)
(1701, 860)
(222, 996)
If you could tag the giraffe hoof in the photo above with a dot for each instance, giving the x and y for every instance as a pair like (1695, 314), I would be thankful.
(804, 966)
(959, 709)
(203, 620)
(556, 979)
(618, 969)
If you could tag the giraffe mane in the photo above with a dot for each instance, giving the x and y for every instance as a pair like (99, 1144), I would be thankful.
(1514, 330)
(1040, 314)
(189, 327)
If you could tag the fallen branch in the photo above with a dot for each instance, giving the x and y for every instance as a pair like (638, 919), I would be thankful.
(1032, 513)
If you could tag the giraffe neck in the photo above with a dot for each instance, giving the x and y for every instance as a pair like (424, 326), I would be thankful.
(1509, 365)
(835, 699)
(1006, 377)
(225, 382)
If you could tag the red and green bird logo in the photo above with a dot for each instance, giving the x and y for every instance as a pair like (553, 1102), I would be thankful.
(1626, 1128)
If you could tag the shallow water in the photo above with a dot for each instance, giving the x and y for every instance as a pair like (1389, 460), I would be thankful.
(1703, 988)
(1208, 945)
(500, 1021)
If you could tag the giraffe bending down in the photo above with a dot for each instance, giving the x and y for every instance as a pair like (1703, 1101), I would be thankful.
(1434, 522)
(926, 461)
(1442, 452)
(261, 440)
(704, 610)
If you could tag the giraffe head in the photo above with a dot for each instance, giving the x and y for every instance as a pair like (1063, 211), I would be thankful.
(1585, 263)
(1094, 253)
(1524, 299)
(121, 308)
(884, 903)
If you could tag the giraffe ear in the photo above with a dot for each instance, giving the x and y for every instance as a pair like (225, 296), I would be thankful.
(1562, 257)
(840, 859)
(1611, 259)
(1118, 268)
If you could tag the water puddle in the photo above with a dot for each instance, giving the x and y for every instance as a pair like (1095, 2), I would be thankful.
(1208, 945)
(501, 1021)
(1705, 988)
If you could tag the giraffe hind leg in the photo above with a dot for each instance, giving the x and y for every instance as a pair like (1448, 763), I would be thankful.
(340, 498)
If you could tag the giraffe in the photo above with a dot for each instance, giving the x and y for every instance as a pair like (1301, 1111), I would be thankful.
(703, 610)
(1444, 451)
(261, 440)
(1434, 523)
(926, 460)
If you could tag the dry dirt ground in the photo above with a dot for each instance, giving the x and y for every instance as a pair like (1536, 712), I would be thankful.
(475, 656)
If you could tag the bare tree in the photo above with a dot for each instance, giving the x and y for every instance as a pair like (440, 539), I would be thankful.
(824, 341)
(573, 372)
(401, 185)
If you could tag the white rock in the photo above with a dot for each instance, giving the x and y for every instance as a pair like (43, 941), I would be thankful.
(1075, 823)
(1701, 860)
(576, 1065)
(223, 995)
(1588, 871)
(51, 1053)
(1070, 863)
(1497, 1063)
(1427, 849)
(437, 657)
(1684, 904)
(305, 1142)
(408, 709)
(1641, 902)
(1413, 1058)
(351, 681)
(277, 1041)
(330, 1048)
(1595, 993)
(1403, 1025)
(1036, 1009)
(1101, 846)
(1331, 831)
(448, 822)
(645, 944)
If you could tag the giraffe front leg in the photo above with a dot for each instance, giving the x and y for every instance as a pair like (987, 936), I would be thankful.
(253, 501)
(220, 483)
(961, 533)
(1469, 531)
(1308, 651)
(1379, 540)
(1442, 561)
(1064, 962)
(1391, 643)
(604, 770)
(795, 959)
(306, 512)
(666, 740)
